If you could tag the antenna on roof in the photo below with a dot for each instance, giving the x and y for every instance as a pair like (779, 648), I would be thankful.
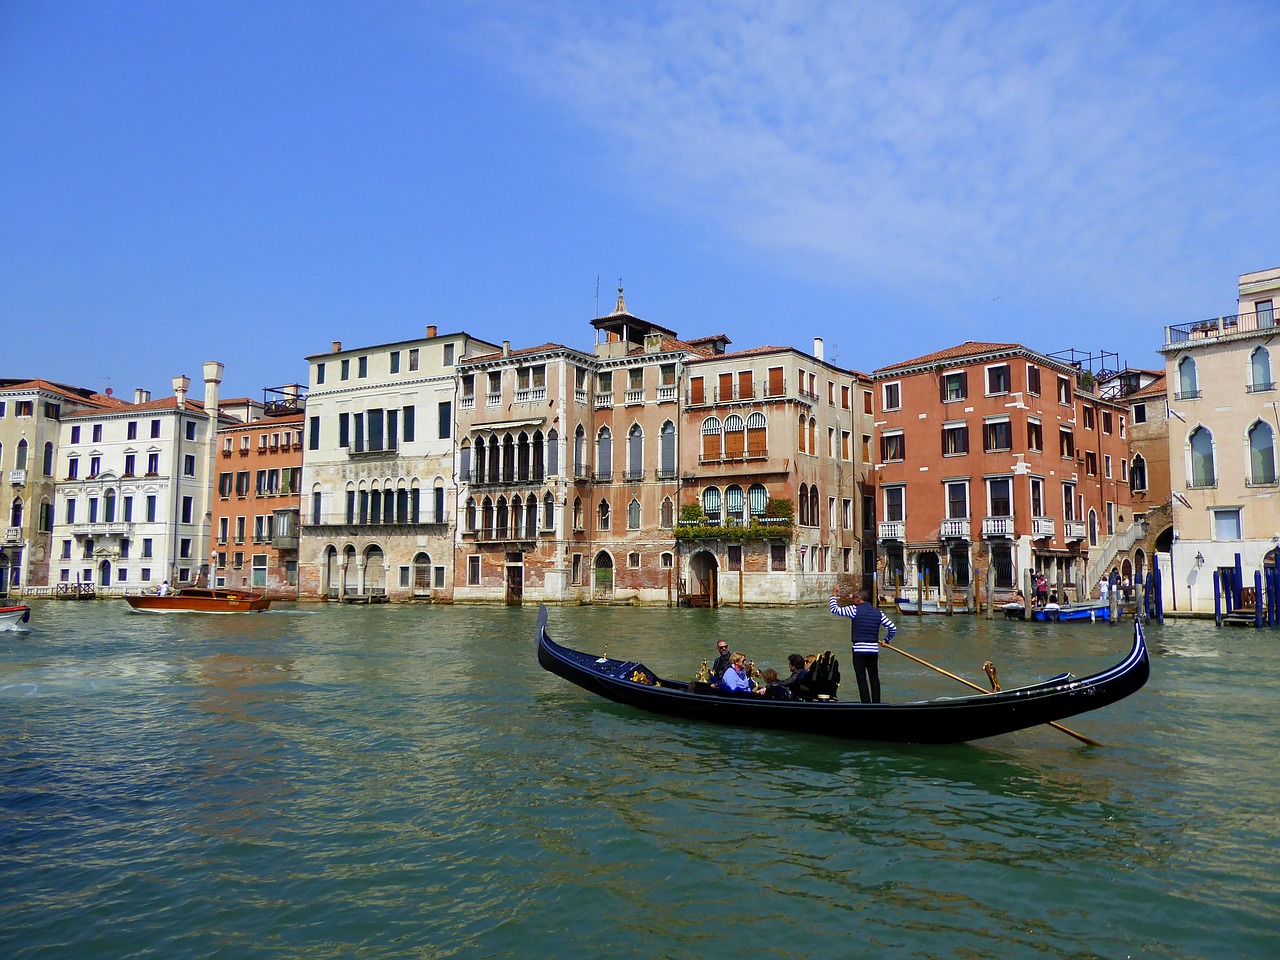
(597, 295)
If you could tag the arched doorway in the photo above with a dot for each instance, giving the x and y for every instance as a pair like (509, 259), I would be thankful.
(350, 577)
(704, 572)
(104, 573)
(332, 574)
(375, 572)
(928, 569)
(422, 575)
(603, 574)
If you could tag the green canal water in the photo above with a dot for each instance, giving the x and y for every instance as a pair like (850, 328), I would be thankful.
(398, 781)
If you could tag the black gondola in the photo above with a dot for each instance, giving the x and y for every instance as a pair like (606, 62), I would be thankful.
(945, 720)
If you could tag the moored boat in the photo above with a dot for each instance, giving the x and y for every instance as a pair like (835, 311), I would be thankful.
(946, 720)
(12, 617)
(1094, 611)
(200, 600)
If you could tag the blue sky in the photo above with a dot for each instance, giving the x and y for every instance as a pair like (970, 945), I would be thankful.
(247, 182)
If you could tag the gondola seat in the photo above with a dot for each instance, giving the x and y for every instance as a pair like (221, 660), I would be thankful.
(823, 678)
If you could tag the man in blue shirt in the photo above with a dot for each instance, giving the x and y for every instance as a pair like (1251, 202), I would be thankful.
(865, 632)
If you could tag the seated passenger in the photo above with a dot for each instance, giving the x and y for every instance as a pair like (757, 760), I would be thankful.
(735, 679)
(773, 689)
(721, 663)
(798, 671)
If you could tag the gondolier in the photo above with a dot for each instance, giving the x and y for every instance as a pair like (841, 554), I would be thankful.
(865, 633)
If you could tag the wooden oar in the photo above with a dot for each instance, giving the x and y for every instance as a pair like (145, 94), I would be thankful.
(925, 663)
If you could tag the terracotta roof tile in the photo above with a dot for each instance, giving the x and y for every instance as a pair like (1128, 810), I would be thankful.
(970, 348)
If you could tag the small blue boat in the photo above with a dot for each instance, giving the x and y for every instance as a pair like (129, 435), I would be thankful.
(1094, 611)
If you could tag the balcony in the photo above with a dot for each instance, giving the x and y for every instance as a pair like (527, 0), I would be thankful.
(579, 396)
(367, 452)
(18, 478)
(102, 529)
(1216, 327)
(713, 528)
(467, 402)
(12, 534)
(891, 530)
(954, 530)
(667, 394)
(997, 528)
(1074, 530)
(531, 395)
(604, 400)
(633, 397)
(493, 399)
(1041, 527)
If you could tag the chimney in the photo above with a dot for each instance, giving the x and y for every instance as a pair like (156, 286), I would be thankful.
(337, 346)
(212, 378)
(141, 396)
(817, 347)
(180, 387)
(431, 330)
(506, 348)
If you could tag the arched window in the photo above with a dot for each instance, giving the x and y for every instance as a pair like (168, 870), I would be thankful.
(15, 513)
(667, 450)
(1188, 383)
(1093, 528)
(633, 514)
(548, 510)
(802, 434)
(522, 458)
(711, 504)
(471, 514)
(501, 524)
(813, 435)
(20, 462)
(733, 503)
(1262, 453)
(109, 506)
(47, 466)
(604, 454)
(1200, 446)
(803, 497)
(530, 517)
(711, 438)
(635, 453)
(757, 435)
(553, 453)
(579, 452)
(757, 499)
(735, 437)
(602, 515)
(495, 461)
(667, 514)
(536, 470)
(1260, 371)
(577, 513)
(509, 458)
(815, 514)
(464, 462)
(486, 516)
(1138, 474)
(517, 516)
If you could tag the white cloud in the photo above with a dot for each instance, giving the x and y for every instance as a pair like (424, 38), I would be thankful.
(915, 142)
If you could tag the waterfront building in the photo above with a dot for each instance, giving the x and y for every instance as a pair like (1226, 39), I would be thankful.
(379, 494)
(775, 468)
(569, 469)
(31, 413)
(256, 508)
(657, 470)
(993, 461)
(1151, 495)
(133, 496)
(1222, 442)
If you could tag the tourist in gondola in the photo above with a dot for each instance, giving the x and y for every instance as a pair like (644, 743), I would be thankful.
(865, 633)
(721, 663)
(773, 688)
(735, 679)
(799, 670)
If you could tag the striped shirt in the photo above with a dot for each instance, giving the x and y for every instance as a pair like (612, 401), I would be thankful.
(865, 629)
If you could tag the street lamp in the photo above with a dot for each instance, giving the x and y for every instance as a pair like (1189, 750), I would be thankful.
(1199, 559)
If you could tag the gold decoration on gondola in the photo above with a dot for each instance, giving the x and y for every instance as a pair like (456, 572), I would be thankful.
(642, 676)
(989, 669)
(703, 675)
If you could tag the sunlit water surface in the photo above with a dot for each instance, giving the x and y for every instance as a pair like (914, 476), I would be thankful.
(396, 781)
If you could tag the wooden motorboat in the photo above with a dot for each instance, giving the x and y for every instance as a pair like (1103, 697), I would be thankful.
(945, 720)
(200, 600)
(11, 617)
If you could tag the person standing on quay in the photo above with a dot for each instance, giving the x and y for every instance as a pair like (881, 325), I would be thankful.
(865, 632)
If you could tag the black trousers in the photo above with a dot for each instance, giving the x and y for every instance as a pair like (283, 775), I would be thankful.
(866, 667)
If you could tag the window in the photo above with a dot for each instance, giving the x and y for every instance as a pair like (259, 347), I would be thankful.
(892, 396)
(734, 503)
(892, 447)
(1090, 463)
(73, 468)
(189, 465)
(153, 464)
(895, 504)
(1064, 391)
(1069, 512)
(997, 435)
(319, 373)
(1226, 524)
(1037, 497)
(1000, 496)
(635, 453)
(1262, 454)
(151, 508)
(1035, 435)
(1033, 379)
(633, 514)
(188, 505)
(955, 439)
(1265, 312)
(711, 503)
(345, 368)
(955, 386)
(1200, 447)
(711, 434)
(998, 379)
(1106, 465)
(602, 515)
(1139, 413)
(1087, 414)
(473, 566)
(191, 429)
(445, 420)
(667, 451)
(957, 499)
(1106, 421)
(604, 454)
(1260, 371)
(1188, 382)
(1066, 443)
(362, 367)
(777, 556)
